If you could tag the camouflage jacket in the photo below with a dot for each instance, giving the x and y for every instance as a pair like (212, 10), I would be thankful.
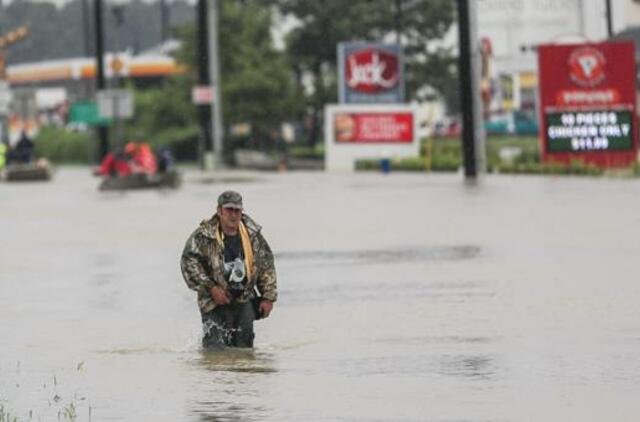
(202, 264)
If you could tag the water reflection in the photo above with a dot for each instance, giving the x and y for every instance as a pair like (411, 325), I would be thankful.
(228, 384)
(235, 360)
(434, 253)
(480, 367)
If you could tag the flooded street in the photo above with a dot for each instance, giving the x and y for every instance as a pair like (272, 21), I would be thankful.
(402, 297)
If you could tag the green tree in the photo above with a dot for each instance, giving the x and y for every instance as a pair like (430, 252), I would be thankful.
(257, 82)
(430, 71)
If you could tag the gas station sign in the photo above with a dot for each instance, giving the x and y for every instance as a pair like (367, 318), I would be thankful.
(588, 103)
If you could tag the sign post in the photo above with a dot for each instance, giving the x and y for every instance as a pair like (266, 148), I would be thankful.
(5, 101)
(588, 103)
(115, 104)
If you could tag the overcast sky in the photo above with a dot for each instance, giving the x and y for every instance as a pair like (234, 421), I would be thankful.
(61, 2)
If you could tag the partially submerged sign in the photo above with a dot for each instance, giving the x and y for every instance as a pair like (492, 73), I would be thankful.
(588, 103)
(354, 132)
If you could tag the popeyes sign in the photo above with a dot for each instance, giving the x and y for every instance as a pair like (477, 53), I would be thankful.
(370, 73)
(588, 103)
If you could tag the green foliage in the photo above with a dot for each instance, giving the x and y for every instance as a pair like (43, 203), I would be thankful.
(257, 85)
(446, 155)
(312, 45)
(5, 416)
(61, 145)
(300, 151)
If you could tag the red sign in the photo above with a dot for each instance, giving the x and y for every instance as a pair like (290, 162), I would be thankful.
(586, 66)
(202, 94)
(373, 127)
(372, 70)
(588, 103)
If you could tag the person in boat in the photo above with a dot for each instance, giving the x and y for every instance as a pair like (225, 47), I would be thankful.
(115, 164)
(165, 160)
(224, 260)
(23, 151)
(142, 158)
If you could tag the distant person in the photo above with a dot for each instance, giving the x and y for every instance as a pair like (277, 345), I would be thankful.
(24, 149)
(115, 164)
(224, 260)
(165, 160)
(142, 158)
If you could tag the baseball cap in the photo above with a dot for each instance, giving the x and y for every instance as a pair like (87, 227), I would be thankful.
(230, 199)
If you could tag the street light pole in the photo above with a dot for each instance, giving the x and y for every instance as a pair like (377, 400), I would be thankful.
(468, 70)
(204, 110)
(214, 72)
(103, 131)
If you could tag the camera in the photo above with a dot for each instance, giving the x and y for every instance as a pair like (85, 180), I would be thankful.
(236, 275)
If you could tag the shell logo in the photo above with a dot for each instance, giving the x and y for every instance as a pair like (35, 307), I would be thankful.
(587, 67)
(117, 65)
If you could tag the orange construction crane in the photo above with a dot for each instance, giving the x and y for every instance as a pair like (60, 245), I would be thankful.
(6, 40)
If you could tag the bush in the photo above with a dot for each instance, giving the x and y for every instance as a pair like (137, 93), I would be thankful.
(63, 146)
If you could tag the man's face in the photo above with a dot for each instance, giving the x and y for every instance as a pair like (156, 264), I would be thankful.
(229, 218)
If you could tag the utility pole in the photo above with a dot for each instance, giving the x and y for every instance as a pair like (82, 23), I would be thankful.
(468, 70)
(164, 20)
(103, 131)
(86, 31)
(609, 19)
(214, 71)
(204, 110)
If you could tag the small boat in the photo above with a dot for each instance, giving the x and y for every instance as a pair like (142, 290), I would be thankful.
(28, 172)
(170, 179)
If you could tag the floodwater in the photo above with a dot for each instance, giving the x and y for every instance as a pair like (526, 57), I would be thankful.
(403, 297)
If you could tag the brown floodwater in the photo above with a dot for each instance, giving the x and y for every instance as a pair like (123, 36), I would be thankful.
(403, 297)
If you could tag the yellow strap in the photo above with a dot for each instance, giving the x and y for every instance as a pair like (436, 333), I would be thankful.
(246, 246)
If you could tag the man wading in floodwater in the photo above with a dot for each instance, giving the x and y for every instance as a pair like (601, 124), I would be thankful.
(224, 259)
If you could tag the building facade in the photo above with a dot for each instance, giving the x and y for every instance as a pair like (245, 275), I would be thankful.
(514, 29)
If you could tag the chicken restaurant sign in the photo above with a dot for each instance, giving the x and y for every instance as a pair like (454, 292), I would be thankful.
(370, 73)
(588, 103)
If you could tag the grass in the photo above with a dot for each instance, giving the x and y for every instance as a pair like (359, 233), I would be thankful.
(504, 154)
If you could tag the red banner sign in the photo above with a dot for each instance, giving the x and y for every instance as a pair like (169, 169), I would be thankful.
(579, 84)
(373, 127)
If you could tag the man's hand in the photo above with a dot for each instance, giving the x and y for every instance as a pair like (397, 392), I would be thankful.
(220, 296)
(265, 307)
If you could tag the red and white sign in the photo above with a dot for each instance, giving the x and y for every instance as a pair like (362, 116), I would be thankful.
(202, 94)
(586, 66)
(579, 83)
(356, 132)
(372, 70)
(370, 73)
(379, 127)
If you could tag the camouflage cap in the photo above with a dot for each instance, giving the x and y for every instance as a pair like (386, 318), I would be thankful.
(230, 199)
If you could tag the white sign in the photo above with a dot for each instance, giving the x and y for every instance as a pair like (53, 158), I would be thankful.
(115, 103)
(5, 97)
(362, 131)
(202, 94)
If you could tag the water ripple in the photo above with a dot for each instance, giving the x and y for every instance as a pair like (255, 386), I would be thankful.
(434, 253)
